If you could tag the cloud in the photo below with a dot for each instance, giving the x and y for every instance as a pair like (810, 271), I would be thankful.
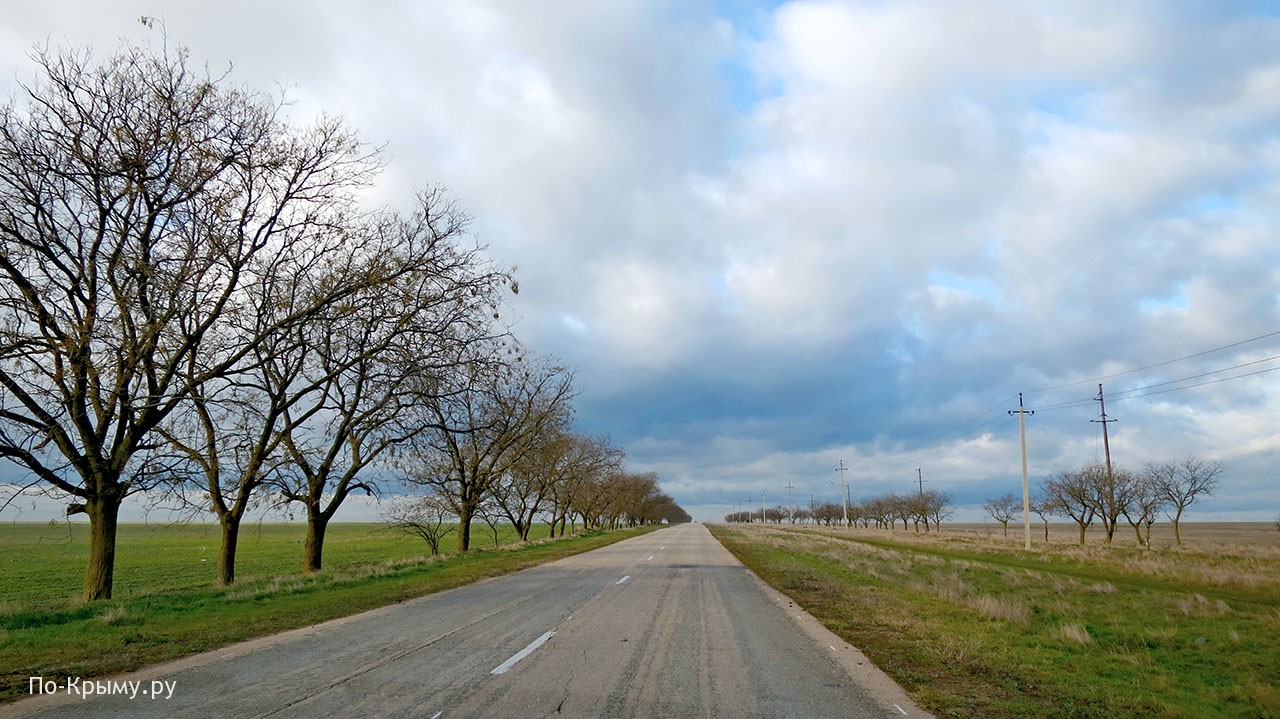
(774, 236)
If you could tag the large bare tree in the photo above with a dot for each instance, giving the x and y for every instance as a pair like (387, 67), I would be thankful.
(137, 198)
(493, 416)
(425, 315)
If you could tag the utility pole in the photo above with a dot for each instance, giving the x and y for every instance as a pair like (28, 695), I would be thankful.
(1026, 485)
(920, 480)
(1104, 419)
(844, 497)
(1106, 448)
(791, 515)
(762, 506)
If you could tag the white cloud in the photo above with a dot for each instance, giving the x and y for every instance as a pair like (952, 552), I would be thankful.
(823, 229)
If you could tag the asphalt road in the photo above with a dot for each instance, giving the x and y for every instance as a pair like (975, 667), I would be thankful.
(668, 624)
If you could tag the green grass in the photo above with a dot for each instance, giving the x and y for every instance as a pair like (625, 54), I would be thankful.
(167, 604)
(42, 565)
(984, 630)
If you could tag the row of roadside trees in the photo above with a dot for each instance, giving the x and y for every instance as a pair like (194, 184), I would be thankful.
(196, 302)
(925, 510)
(1093, 493)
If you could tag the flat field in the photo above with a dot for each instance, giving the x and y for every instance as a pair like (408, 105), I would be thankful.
(167, 604)
(974, 626)
(42, 565)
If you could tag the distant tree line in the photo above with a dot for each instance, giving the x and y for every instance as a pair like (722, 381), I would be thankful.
(923, 510)
(194, 301)
(1092, 494)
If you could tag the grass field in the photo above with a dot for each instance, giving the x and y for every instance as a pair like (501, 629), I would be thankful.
(42, 565)
(167, 603)
(973, 626)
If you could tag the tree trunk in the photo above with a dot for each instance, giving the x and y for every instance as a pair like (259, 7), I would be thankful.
(98, 576)
(1177, 531)
(1083, 527)
(1046, 532)
(464, 527)
(1006, 528)
(227, 553)
(1137, 529)
(313, 550)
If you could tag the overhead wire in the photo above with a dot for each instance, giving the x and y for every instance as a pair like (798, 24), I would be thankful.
(965, 431)
(1157, 364)
(1142, 391)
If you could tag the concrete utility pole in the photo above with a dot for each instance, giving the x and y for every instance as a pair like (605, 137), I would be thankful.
(1026, 485)
(791, 515)
(844, 497)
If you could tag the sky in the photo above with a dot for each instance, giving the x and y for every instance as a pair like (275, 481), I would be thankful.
(773, 237)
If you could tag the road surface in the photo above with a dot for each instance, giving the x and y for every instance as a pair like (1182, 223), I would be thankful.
(668, 624)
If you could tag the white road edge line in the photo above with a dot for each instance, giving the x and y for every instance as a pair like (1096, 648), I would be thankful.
(620, 581)
(437, 716)
(504, 667)
(904, 711)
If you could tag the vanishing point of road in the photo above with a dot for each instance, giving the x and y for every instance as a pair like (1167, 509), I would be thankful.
(668, 624)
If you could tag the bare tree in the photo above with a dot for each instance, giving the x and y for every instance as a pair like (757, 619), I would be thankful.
(1003, 509)
(937, 507)
(1182, 483)
(1146, 500)
(1044, 507)
(1070, 492)
(482, 426)
(586, 459)
(530, 483)
(1111, 492)
(137, 198)
(426, 516)
(423, 316)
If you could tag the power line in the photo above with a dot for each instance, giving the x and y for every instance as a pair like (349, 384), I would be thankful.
(1202, 384)
(1142, 391)
(1157, 364)
(968, 430)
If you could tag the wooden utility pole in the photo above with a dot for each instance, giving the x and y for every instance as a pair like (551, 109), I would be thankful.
(1026, 484)
(1106, 448)
(920, 480)
(1104, 419)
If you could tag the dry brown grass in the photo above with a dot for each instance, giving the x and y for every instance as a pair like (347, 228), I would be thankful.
(1198, 605)
(1001, 609)
(1075, 633)
(1228, 556)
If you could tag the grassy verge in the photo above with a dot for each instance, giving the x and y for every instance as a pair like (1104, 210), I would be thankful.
(154, 622)
(992, 631)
